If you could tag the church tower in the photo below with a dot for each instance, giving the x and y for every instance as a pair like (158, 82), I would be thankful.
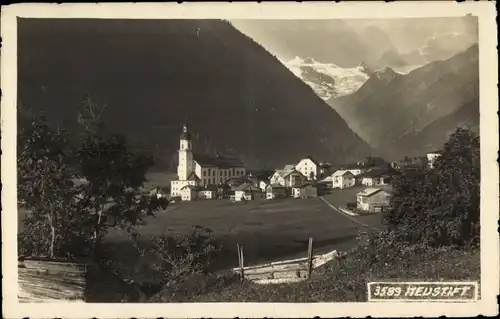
(186, 162)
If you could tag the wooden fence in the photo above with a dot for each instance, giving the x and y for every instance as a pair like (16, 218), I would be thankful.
(293, 270)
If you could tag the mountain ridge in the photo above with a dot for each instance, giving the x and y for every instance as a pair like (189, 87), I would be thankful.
(233, 101)
(381, 112)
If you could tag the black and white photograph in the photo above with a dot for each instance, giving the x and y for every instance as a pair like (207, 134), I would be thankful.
(207, 162)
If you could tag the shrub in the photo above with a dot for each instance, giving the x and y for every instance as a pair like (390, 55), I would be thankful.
(181, 256)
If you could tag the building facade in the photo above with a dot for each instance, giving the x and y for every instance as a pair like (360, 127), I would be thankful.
(304, 191)
(373, 199)
(343, 179)
(308, 167)
(287, 178)
(200, 169)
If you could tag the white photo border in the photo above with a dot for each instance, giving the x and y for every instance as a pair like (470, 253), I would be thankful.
(488, 64)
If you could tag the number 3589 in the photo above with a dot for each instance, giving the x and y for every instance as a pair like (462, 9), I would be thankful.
(384, 291)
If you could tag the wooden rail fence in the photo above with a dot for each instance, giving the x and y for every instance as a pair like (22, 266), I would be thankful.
(283, 271)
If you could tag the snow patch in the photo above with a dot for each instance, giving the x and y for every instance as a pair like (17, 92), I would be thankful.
(327, 79)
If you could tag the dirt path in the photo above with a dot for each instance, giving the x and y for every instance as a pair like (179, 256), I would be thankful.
(335, 209)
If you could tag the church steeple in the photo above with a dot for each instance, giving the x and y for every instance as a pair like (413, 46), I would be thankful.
(185, 139)
(186, 165)
(185, 135)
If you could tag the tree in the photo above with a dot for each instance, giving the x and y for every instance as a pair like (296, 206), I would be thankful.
(45, 190)
(111, 195)
(440, 206)
(184, 255)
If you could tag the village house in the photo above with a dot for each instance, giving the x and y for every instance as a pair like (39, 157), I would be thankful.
(209, 192)
(287, 177)
(200, 169)
(158, 192)
(343, 179)
(355, 168)
(237, 181)
(263, 185)
(308, 167)
(276, 191)
(189, 193)
(257, 177)
(373, 199)
(377, 176)
(431, 158)
(246, 191)
(305, 190)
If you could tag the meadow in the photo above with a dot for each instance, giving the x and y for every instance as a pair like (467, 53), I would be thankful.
(267, 230)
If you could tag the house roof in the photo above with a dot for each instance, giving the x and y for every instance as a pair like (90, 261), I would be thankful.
(238, 179)
(281, 172)
(276, 186)
(326, 179)
(246, 187)
(185, 135)
(311, 159)
(191, 187)
(209, 188)
(261, 174)
(193, 177)
(218, 161)
(325, 165)
(379, 172)
(370, 191)
(289, 167)
(303, 185)
(341, 173)
(158, 189)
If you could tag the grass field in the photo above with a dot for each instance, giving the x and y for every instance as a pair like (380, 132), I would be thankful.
(268, 230)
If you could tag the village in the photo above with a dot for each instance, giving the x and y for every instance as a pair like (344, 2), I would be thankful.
(207, 177)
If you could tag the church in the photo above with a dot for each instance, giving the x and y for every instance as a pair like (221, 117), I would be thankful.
(200, 170)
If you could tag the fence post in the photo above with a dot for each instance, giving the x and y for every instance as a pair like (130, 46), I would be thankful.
(240, 260)
(309, 258)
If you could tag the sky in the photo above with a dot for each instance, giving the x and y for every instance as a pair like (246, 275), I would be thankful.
(288, 38)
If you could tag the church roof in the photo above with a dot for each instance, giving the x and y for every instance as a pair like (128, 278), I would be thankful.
(217, 161)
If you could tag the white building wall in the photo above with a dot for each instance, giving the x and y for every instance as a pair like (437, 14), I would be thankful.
(306, 166)
(187, 194)
(186, 163)
(176, 186)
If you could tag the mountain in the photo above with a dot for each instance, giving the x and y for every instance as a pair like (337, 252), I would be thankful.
(391, 107)
(328, 79)
(154, 75)
(434, 135)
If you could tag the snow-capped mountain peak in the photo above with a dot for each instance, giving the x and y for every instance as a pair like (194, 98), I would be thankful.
(327, 79)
